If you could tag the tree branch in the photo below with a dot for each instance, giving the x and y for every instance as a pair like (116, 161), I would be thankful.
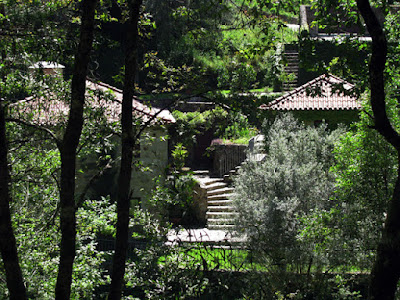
(376, 71)
(81, 198)
(38, 127)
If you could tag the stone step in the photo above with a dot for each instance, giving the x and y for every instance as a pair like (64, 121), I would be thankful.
(210, 215)
(221, 221)
(225, 190)
(210, 181)
(201, 173)
(291, 50)
(227, 178)
(220, 202)
(215, 186)
(219, 197)
(225, 227)
(291, 68)
(220, 208)
(232, 172)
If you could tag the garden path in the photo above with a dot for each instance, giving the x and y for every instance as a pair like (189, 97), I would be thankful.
(204, 235)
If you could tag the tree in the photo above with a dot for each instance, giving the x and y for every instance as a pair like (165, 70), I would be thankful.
(385, 273)
(12, 85)
(365, 183)
(128, 142)
(68, 147)
(290, 183)
(8, 246)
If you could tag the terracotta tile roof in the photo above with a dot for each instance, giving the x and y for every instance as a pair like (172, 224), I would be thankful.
(320, 93)
(139, 109)
(46, 110)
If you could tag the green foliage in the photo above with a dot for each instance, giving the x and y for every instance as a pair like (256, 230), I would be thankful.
(230, 42)
(35, 171)
(179, 155)
(365, 180)
(174, 197)
(292, 218)
(291, 181)
(188, 125)
(238, 129)
(162, 77)
(238, 77)
(227, 125)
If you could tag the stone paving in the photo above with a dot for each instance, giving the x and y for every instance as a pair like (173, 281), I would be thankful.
(205, 235)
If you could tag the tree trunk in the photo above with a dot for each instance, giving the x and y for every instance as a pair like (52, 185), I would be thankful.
(386, 270)
(127, 141)
(68, 148)
(8, 246)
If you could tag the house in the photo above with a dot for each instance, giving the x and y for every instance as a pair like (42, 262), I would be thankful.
(326, 97)
(104, 104)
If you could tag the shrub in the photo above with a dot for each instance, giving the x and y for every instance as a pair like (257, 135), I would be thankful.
(291, 182)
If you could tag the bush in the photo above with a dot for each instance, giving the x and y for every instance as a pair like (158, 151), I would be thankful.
(228, 125)
(293, 180)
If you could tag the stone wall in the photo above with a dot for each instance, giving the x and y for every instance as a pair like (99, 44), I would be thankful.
(200, 203)
(153, 163)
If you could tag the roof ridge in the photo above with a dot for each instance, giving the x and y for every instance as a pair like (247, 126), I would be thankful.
(330, 79)
(294, 91)
(106, 85)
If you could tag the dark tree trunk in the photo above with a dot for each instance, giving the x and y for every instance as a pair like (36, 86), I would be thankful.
(8, 246)
(127, 141)
(386, 270)
(68, 148)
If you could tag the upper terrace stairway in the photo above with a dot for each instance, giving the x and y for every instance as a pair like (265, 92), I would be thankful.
(291, 58)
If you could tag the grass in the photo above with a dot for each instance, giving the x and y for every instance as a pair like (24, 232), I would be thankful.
(238, 141)
(234, 259)
(221, 258)
(239, 135)
(213, 258)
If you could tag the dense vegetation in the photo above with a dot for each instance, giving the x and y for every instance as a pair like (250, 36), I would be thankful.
(313, 212)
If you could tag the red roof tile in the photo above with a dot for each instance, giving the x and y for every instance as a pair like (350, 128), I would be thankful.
(46, 110)
(320, 93)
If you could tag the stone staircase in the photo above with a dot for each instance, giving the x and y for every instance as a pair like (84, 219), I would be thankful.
(291, 57)
(220, 212)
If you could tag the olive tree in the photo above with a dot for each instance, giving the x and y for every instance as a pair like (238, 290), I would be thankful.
(272, 196)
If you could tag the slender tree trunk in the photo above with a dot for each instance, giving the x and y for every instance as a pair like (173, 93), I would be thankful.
(8, 246)
(386, 270)
(127, 141)
(68, 148)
